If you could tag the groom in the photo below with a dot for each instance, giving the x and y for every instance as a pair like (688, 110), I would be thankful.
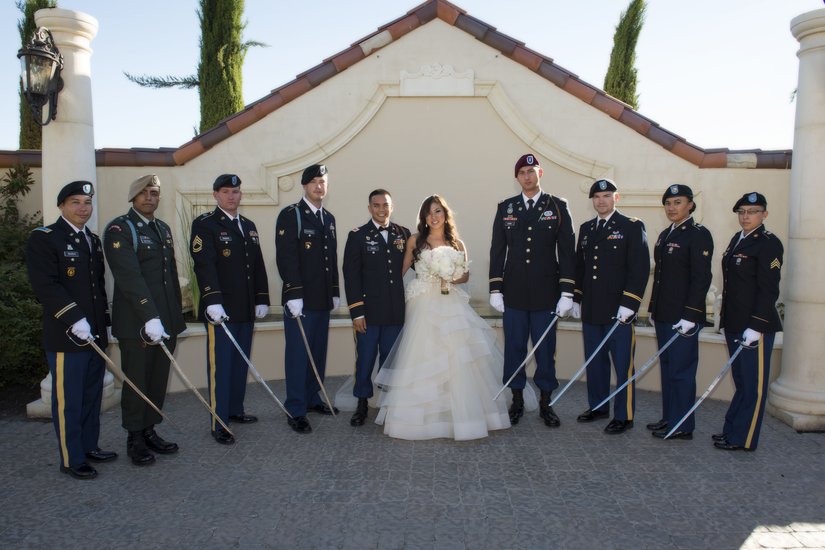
(373, 259)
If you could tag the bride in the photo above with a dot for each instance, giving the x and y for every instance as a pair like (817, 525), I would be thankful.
(440, 377)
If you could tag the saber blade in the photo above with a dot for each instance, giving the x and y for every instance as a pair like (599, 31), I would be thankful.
(529, 355)
(589, 359)
(255, 374)
(314, 368)
(192, 387)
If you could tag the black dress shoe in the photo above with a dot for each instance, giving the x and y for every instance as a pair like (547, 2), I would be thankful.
(81, 471)
(299, 424)
(360, 414)
(243, 418)
(657, 426)
(223, 437)
(725, 446)
(719, 437)
(322, 408)
(516, 410)
(99, 455)
(676, 435)
(137, 451)
(590, 415)
(618, 426)
(549, 416)
(157, 443)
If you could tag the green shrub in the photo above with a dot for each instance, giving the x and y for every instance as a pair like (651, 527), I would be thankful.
(21, 344)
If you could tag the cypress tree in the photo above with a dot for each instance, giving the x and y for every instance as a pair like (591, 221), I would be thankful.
(620, 80)
(30, 132)
(219, 77)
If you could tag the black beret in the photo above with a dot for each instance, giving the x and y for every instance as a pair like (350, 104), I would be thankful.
(751, 199)
(526, 160)
(226, 180)
(602, 185)
(314, 171)
(677, 190)
(79, 187)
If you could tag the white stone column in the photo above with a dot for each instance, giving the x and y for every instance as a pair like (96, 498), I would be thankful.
(69, 143)
(797, 397)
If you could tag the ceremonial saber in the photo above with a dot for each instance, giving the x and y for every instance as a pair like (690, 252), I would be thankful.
(252, 369)
(312, 364)
(640, 372)
(529, 355)
(192, 387)
(589, 359)
(120, 375)
(712, 386)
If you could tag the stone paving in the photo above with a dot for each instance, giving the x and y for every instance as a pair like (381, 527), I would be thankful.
(354, 488)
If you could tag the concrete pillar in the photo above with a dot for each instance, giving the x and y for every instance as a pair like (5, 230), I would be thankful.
(69, 144)
(797, 396)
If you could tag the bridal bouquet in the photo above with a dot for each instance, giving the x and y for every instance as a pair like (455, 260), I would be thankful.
(445, 263)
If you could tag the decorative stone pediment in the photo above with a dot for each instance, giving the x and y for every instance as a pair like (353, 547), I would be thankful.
(437, 80)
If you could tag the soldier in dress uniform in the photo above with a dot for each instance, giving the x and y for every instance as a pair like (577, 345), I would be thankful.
(751, 268)
(532, 271)
(65, 267)
(307, 256)
(234, 290)
(681, 279)
(146, 309)
(373, 259)
(612, 265)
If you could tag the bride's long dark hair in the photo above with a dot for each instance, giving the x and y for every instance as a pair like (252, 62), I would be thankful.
(450, 232)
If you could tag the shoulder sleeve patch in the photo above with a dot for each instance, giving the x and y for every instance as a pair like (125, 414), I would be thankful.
(197, 244)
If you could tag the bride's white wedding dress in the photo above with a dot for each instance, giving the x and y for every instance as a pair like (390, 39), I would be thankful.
(443, 371)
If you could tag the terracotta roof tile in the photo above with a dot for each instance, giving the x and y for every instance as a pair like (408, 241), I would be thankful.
(426, 12)
(472, 26)
(554, 73)
(348, 58)
(244, 119)
(608, 105)
(580, 89)
(403, 26)
(448, 12)
(528, 58)
(718, 159)
(266, 105)
(773, 159)
(188, 151)
(635, 120)
(662, 137)
(501, 42)
(320, 73)
(214, 135)
(295, 89)
(689, 152)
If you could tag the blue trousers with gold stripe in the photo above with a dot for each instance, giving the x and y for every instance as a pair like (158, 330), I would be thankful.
(226, 370)
(301, 387)
(519, 325)
(621, 347)
(376, 342)
(751, 372)
(678, 363)
(77, 387)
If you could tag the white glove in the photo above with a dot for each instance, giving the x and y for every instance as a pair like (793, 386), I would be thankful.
(154, 330)
(215, 312)
(261, 310)
(684, 326)
(750, 336)
(564, 306)
(336, 301)
(82, 330)
(296, 307)
(577, 311)
(497, 301)
(624, 314)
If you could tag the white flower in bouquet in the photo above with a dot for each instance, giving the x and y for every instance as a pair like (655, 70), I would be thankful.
(446, 263)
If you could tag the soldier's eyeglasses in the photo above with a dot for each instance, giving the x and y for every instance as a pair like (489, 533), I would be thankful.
(753, 212)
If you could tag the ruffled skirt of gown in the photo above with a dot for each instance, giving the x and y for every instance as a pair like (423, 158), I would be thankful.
(443, 371)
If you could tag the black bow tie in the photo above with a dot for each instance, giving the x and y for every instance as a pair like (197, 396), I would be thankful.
(383, 228)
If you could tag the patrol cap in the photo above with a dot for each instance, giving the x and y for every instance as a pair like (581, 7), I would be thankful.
(150, 180)
(677, 190)
(526, 160)
(751, 199)
(602, 185)
(79, 187)
(226, 180)
(314, 171)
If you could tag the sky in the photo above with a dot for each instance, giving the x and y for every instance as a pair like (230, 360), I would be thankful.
(719, 73)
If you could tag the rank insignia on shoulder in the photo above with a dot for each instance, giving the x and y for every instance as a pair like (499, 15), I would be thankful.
(776, 264)
(116, 244)
(356, 230)
(307, 245)
(197, 244)
(705, 253)
(281, 232)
